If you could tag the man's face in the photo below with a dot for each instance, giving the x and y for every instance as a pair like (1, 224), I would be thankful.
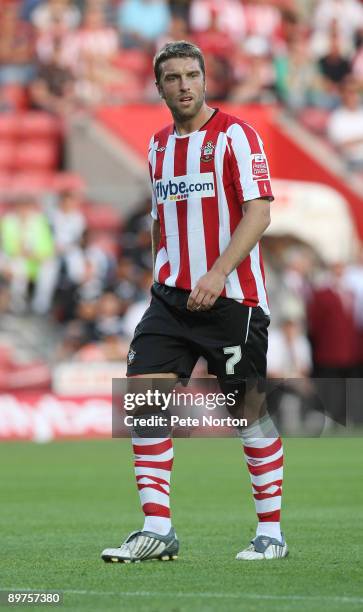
(182, 86)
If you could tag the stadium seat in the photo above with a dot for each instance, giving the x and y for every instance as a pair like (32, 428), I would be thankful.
(62, 181)
(34, 183)
(35, 124)
(102, 217)
(134, 60)
(37, 182)
(126, 92)
(8, 126)
(5, 181)
(3, 208)
(15, 96)
(7, 154)
(36, 154)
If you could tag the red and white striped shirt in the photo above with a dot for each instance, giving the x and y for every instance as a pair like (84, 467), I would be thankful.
(199, 183)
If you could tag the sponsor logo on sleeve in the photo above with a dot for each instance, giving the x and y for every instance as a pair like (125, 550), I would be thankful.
(259, 167)
(185, 187)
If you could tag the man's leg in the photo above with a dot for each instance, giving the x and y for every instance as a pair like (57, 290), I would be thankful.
(153, 461)
(245, 369)
(263, 452)
(159, 345)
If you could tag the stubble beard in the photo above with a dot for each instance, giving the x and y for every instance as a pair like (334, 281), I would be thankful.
(187, 114)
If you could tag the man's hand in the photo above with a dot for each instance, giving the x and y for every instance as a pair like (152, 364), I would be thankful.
(207, 290)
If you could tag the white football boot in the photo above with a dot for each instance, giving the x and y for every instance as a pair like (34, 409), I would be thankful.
(144, 546)
(264, 547)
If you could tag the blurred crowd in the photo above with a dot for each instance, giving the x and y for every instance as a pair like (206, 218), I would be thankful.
(94, 283)
(317, 313)
(304, 54)
(316, 335)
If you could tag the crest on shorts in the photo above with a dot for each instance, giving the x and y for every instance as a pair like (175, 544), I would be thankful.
(131, 356)
(208, 151)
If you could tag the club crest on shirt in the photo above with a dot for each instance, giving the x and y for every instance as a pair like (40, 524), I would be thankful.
(207, 151)
(131, 356)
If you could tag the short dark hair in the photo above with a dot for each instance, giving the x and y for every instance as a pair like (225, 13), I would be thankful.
(180, 48)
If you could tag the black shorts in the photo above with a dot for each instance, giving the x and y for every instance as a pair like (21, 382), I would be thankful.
(231, 337)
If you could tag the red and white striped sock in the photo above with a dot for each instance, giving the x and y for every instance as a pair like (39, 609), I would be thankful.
(153, 464)
(264, 458)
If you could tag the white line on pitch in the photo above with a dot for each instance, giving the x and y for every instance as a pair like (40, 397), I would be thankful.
(205, 595)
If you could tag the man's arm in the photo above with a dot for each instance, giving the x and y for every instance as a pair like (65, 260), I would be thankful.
(246, 235)
(155, 239)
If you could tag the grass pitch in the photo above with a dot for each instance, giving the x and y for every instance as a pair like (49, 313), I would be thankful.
(62, 503)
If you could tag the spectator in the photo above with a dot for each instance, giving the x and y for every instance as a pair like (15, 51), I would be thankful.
(112, 348)
(16, 46)
(97, 268)
(142, 22)
(291, 28)
(332, 329)
(6, 105)
(345, 127)
(52, 12)
(353, 279)
(334, 66)
(94, 47)
(346, 15)
(331, 326)
(137, 240)
(135, 312)
(289, 352)
(297, 77)
(27, 7)
(256, 84)
(262, 20)
(108, 343)
(56, 37)
(125, 286)
(305, 8)
(229, 14)
(80, 331)
(53, 89)
(297, 274)
(180, 8)
(28, 248)
(214, 41)
(68, 226)
(289, 359)
(178, 30)
(357, 66)
(109, 319)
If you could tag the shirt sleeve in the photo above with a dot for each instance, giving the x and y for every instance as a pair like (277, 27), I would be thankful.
(151, 158)
(250, 170)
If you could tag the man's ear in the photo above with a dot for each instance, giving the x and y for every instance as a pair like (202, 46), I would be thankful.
(159, 89)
